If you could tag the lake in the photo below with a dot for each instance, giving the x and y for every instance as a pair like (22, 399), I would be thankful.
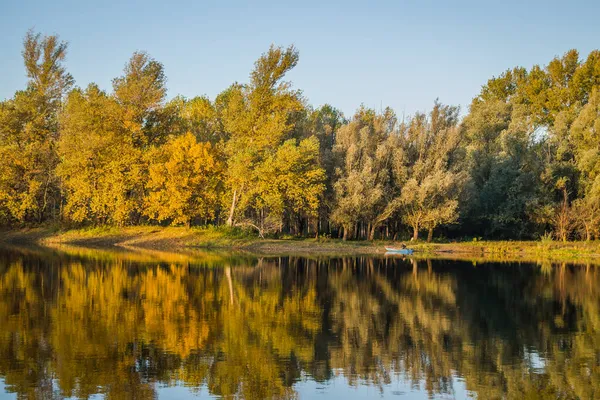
(95, 324)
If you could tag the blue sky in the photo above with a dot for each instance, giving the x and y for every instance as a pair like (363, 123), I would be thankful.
(401, 54)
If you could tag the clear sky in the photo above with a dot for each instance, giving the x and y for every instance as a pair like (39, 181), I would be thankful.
(398, 53)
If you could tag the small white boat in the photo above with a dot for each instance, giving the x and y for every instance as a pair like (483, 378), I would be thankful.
(399, 251)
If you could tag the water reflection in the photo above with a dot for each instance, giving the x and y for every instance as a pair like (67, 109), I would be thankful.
(79, 324)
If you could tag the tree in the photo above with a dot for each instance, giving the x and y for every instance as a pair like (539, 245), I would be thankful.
(28, 133)
(185, 178)
(430, 202)
(200, 117)
(505, 169)
(257, 118)
(585, 135)
(369, 171)
(103, 140)
(101, 169)
(141, 92)
(435, 181)
(43, 57)
(289, 181)
(523, 141)
(324, 123)
(586, 212)
(563, 216)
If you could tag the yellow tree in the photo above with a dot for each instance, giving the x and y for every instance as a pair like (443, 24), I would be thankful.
(103, 138)
(184, 181)
(290, 180)
(142, 91)
(100, 169)
(199, 116)
(28, 133)
(257, 119)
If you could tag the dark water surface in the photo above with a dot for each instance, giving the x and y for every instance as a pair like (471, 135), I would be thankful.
(93, 324)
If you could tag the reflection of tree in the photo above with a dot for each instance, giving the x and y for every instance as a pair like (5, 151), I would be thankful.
(392, 323)
(118, 327)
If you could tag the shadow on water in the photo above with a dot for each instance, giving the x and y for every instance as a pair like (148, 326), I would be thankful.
(76, 323)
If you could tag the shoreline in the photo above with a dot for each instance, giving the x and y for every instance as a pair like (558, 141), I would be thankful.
(180, 239)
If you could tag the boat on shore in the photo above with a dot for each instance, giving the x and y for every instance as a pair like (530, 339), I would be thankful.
(403, 251)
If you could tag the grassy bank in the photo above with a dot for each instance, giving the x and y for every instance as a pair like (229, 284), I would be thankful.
(530, 251)
(173, 238)
(179, 238)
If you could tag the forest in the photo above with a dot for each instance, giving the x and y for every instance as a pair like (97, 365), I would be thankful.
(522, 163)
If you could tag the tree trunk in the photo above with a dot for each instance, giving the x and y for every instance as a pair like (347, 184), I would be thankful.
(588, 233)
(416, 232)
(345, 237)
(430, 235)
(372, 232)
(45, 202)
(232, 209)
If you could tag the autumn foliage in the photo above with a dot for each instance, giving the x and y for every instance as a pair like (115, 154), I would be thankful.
(522, 162)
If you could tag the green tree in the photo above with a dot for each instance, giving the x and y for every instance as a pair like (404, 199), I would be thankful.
(369, 172)
(585, 136)
(505, 170)
(324, 123)
(524, 147)
(435, 177)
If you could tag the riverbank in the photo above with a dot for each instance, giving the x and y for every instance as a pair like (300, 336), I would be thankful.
(179, 238)
(175, 239)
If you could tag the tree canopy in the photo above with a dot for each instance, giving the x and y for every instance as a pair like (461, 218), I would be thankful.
(523, 161)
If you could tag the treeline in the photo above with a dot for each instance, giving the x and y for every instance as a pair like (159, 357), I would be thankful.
(522, 163)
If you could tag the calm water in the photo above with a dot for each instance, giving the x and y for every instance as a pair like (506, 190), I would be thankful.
(92, 324)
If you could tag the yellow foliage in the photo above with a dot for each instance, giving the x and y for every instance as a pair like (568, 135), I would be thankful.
(101, 170)
(184, 181)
